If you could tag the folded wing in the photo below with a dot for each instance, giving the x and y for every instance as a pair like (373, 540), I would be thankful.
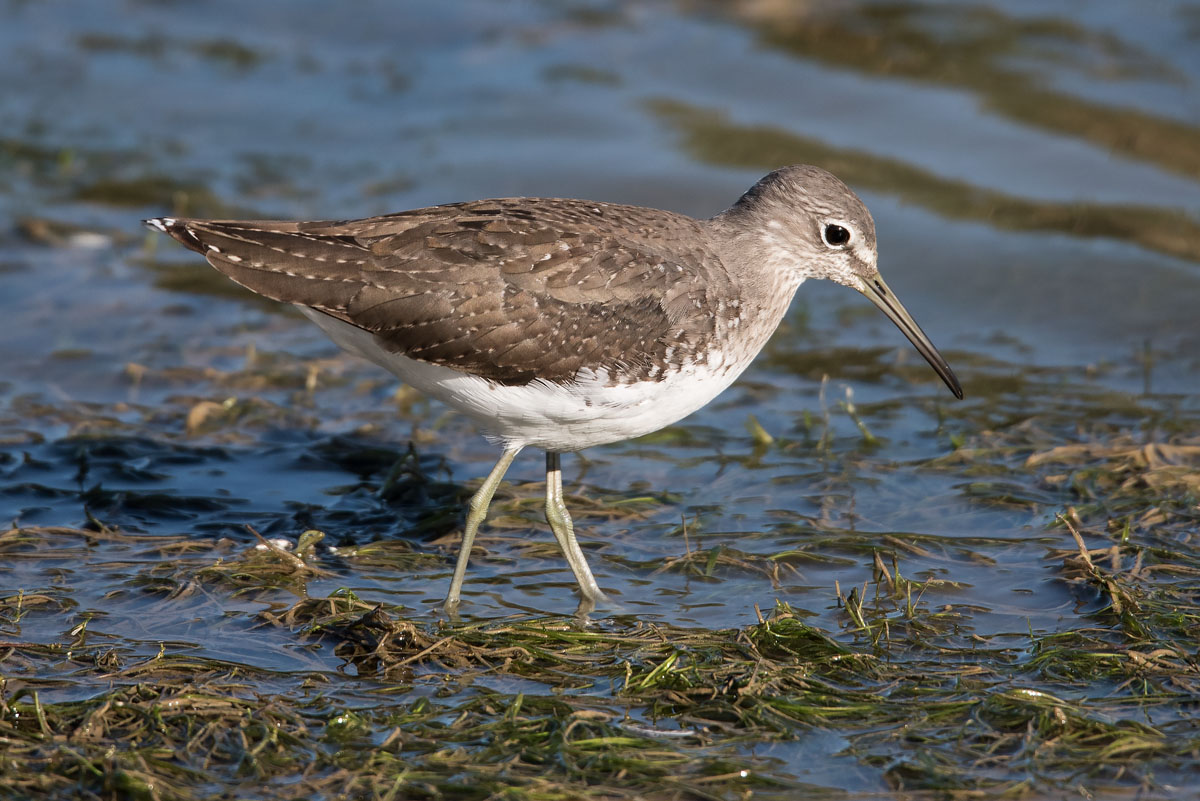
(513, 290)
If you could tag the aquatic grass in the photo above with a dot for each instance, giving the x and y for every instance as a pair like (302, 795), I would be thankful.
(626, 708)
(386, 703)
(999, 597)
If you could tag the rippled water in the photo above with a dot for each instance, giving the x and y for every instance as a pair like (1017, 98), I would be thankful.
(1034, 173)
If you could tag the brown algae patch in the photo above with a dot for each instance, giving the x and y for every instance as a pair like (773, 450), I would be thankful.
(619, 707)
(370, 699)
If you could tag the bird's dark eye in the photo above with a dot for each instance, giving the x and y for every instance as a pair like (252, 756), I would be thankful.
(836, 235)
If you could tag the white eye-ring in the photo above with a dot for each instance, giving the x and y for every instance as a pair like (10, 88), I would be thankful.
(836, 236)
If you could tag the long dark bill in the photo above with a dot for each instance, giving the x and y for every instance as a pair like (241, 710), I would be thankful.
(881, 296)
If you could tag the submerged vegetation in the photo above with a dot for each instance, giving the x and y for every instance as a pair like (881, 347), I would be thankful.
(907, 671)
(223, 547)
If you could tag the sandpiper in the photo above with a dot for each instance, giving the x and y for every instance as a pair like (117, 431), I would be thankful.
(562, 324)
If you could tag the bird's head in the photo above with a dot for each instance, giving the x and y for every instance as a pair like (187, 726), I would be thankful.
(811, 225)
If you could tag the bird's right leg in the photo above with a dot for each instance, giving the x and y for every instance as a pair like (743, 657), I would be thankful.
(477, 510)
(560, 523)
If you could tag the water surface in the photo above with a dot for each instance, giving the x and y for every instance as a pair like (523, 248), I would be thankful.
(1035, 181)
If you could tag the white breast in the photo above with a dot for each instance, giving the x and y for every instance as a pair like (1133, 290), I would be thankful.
(555, 417)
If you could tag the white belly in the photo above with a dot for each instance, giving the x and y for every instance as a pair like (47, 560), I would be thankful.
(555, 417)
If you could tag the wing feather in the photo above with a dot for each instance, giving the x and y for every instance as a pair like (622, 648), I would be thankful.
(513, 290)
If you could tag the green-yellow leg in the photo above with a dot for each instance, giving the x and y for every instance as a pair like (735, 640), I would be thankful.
(560, 523)
(477, 510)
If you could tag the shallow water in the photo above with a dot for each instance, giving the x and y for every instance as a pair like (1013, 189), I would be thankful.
(1035, 180)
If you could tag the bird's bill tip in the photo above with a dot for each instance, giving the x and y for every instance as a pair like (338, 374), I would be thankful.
(879, 294)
